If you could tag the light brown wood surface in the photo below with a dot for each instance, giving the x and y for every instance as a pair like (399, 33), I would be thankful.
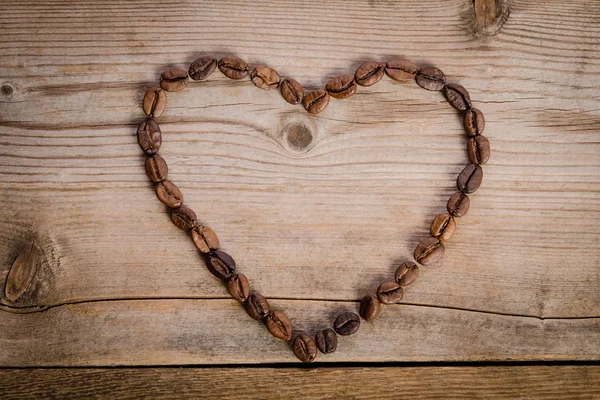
(101, 276)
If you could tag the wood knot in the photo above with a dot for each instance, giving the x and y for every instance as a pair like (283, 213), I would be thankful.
(7, 89)
(21, 272)
(487, 17)
(297, 135)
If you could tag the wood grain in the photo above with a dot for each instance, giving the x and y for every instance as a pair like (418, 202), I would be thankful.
(314, 223)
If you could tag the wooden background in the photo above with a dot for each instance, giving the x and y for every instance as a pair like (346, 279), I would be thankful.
(317, 210)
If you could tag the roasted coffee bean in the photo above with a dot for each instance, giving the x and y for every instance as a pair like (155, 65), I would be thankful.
(474, 122)
(205, 239)
(238, 287)
(265, 77)
(316, 101)
(430, 78)
(305, 348)
(478, 149)
(406, 273)
(169, 194)
(155, 101)
(174, 80)
(401, 70)
(257, 306)
(279, 325)
(346, 323)
(156, 168)
(184, 218)
(369, 73)
(369, 307)
(326, 340)
(341, 87)
(470, 178)
(458, 204)
(443, 227)
(233, 67)
(390, 292)
(220, 264)
(149, 136)
(202, 67)
(292, 91)
(429, 251)
(457, 96)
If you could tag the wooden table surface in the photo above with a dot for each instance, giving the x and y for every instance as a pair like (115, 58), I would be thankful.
(317, 210)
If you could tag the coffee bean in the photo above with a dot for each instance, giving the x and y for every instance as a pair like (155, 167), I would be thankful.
(458, 204)
(238, 287)
(265, 77)
(174, 80)
(233, 67)
(341, 87)
(430, 78)
(369, 73)
(346, 323)
(279, 325)
(457, 96)
(470, 178)
(149, 136)
(390, 292)
(443, 227)
(292, 91)
(478, 149)
(305, 348)
(205, 239)
(401, 70)
(220, 264)
(202, 67)
(257, 306)
(326, 340)
(406, 273)
(316, 101)
(369, 307)
(184, 218)
(429, 251)
(169, 194)
(155, 101)
(474, 122)
(156, 168)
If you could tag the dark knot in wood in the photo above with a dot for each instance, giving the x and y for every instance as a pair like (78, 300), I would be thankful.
(486, 17)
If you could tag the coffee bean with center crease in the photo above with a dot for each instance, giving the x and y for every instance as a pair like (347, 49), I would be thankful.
(292, 91)
(369, 73)
(202, 67)
(474, 122)
(154, 103)
(429, 251)
(401, 70)
(458, 204)
(346, 323)
(238, 287)
(430, 78)
(205, 239)
(149, 136)
(233, 67)
(443, 227)
(326, 340)
(220, 264)
(470, 178)
(184, 218)
(265, 78)
(478, 149)
(457, 96)
(341, 87)
(257, 306)
(174, 80)
(156, 168)
(316, 101)
(406, 273)
(279, 325)
(390, 292)
(305, 348)
(169, 194)
(369, 307)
